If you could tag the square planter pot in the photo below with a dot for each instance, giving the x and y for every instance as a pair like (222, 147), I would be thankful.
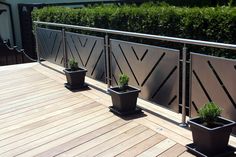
(124, 101)
(211, 141)
(75, 79)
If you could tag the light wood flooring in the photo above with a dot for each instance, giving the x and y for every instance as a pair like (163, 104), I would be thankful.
(39, 117)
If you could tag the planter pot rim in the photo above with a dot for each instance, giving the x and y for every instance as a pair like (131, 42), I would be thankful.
(191, 121)
(79, 70)
(134, 90)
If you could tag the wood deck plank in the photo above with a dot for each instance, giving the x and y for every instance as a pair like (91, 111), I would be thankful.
(34, 96)
(53, 139)
(53, 129)
(174, 151)
(17, 81)
(40, 117)
(33, 108)
(23, 86)
(31, 94)
(127, 144)
(47, 124)
(27, 91)
(113, 141)
(143, 146)
(42, 112)
(170, 133)
(16, 105)
(101, 139)
(55, 123)
(67, 146)
(5, 129)
(158, 148)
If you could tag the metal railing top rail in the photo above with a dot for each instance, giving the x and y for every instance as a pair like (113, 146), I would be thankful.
(142, 35)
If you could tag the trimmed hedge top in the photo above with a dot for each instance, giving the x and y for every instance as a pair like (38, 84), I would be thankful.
(197, 3)
(209, 24)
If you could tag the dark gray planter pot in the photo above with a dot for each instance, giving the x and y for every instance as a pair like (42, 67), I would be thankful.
(211, 141)
(124, 101)
(75, 79)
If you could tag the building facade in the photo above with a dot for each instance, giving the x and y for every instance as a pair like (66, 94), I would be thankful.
(10, 27)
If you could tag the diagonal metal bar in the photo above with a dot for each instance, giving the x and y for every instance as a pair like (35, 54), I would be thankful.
(128, 64)
(222, 84)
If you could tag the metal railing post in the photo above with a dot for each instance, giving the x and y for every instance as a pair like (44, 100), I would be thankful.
(184, 60)
(108, 61)
(65, 54)
(37, 44)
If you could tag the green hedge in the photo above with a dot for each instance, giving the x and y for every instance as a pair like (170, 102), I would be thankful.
(197, 3)
(215, 24)
(209, 24)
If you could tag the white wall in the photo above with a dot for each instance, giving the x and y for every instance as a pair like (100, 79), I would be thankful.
(16, 15)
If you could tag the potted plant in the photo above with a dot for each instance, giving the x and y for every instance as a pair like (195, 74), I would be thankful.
(75, 75)
(124, 97)
(210, 131)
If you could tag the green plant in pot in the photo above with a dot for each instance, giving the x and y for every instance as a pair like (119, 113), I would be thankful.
(210, 131)
(75, 75)
(209, 115)
(73, 65)
(124, 97)
(123, 82)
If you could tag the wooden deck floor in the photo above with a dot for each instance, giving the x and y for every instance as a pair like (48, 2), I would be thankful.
(39, 117)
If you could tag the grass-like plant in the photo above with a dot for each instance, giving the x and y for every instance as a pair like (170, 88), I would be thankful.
(73, 64)
(123, 81)
(209, 113)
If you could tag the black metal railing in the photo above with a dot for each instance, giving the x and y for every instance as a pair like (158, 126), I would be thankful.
(159, 72)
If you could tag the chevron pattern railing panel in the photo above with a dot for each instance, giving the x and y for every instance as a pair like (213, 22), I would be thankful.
(213, 79)
(155, 70)
(89, 52)
(50, 45)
